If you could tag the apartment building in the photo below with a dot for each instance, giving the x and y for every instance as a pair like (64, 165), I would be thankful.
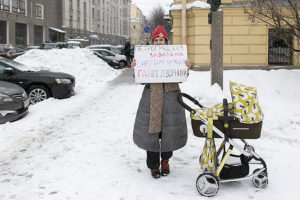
(30, 22)
(137, 25)
(100, 21)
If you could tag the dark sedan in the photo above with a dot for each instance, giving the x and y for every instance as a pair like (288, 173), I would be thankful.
(13, 102)
(39, 85)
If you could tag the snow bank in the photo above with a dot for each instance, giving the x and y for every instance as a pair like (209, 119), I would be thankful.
(87, 68)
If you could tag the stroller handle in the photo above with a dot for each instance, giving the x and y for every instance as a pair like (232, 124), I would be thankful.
(180, 101)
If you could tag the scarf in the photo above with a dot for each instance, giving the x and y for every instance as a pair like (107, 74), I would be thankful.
(156, 104)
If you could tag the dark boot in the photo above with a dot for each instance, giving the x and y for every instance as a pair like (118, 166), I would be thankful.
(155, 173)
(165, 169)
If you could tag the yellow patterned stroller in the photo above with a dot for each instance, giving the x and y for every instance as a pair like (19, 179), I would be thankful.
(242, 119)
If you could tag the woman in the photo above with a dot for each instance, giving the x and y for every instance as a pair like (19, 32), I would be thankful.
(160, 125)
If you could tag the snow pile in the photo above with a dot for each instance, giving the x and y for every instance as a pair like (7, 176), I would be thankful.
(87, 68)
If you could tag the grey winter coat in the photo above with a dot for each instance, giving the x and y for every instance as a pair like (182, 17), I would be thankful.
(174, 128)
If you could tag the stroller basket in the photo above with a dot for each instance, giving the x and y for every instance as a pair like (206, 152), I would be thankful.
(236, 171)
(236, 129)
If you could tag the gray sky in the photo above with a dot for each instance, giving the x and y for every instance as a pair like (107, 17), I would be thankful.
(148, 5)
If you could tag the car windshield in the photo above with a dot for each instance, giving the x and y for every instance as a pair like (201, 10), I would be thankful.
(19, 66)
(116, 51)
(73, 45)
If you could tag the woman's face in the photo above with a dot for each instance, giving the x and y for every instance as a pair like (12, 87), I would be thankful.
(159, 41)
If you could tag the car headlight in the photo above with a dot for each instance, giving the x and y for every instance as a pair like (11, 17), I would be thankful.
(63, 81)
(4, 97)
(24, 94)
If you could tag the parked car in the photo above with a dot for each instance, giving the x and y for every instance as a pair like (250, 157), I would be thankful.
(73, 44)
(54, 45)
(3, 53)
(112, 63)
(13, 102)
(32, 47)
(121, 59)
(109, 47)
(100, 46)
(13, 52)
(39, 84)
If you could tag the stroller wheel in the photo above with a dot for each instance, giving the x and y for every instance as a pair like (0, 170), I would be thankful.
(207, 184)
(261, 180)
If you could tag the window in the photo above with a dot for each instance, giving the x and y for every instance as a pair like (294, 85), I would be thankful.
(84, 24)
(71, 21)
(4, 5)
(93, 13)
(84, 9)
(71, 4)
(21, 34)
(18, 6)
(38, 35)
(39, 11)
(78, 23)
(2, 32)
(78, 5)
(133, 26)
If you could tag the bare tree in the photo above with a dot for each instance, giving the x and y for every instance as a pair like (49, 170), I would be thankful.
(157, 17)
(281, 15)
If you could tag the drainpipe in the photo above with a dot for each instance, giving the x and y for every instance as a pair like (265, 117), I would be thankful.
(183, 14)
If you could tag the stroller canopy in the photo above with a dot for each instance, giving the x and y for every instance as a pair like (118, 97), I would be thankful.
(245, 103)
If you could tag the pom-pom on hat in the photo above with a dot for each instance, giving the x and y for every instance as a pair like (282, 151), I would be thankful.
(159, 32)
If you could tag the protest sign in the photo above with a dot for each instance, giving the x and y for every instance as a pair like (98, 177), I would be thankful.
(160, 63)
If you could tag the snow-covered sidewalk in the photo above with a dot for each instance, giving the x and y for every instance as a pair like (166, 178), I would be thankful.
(81, 147)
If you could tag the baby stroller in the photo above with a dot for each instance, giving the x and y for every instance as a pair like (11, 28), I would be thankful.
(241, 120)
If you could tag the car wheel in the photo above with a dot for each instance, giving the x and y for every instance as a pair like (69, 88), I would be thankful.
(38, 93)
(122, 64)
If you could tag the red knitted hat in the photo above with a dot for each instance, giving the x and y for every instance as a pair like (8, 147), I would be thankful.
(159, 32)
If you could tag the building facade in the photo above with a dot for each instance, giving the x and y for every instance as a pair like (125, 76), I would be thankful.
(137, 25)
(244, 43)
(100, 21)
(33, 22)
(30, 22)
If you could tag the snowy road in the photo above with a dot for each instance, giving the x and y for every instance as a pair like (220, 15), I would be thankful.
(81, 148)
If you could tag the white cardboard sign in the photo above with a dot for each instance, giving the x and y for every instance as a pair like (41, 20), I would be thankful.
(160, 63)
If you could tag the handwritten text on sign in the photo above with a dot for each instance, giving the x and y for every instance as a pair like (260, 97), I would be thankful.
(160, 63)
